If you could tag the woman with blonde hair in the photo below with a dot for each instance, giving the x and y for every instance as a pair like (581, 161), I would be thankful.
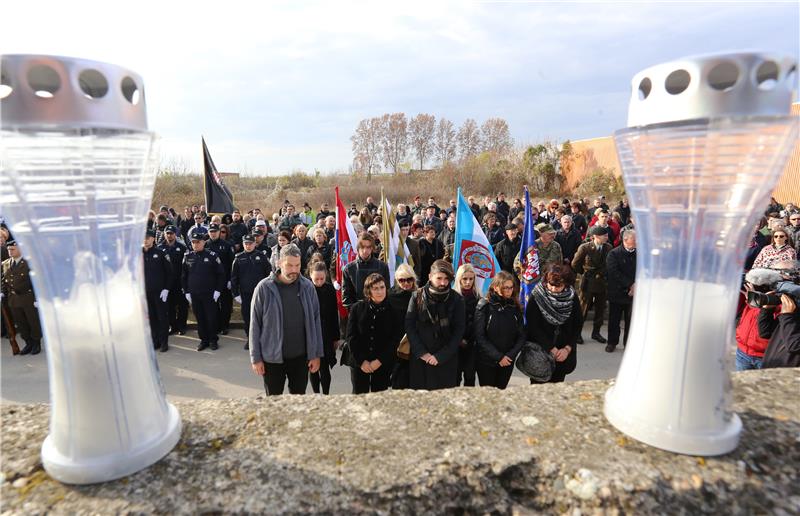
(405, 282)
(465, 285)
(499, 331)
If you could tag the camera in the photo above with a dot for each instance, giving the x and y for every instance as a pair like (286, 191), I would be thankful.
(768, 285)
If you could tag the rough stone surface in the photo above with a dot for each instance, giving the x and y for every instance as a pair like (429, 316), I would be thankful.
(537, 449)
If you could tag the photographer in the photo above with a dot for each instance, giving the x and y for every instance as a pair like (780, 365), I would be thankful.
(781, 324)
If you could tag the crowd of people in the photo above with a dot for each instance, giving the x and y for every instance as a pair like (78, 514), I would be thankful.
(431, 328)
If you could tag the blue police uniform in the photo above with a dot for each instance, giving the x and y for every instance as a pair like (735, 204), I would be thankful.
(177, 306)
(157, 278)
(202, 274)
(247, 271)
(224, 251)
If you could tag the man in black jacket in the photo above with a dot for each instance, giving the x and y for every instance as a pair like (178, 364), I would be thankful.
(355, 273)
(621, 270)
(157, 279)
(569, 238)
(203, 280)
(177, 307)
(508, 248)
(225, 253)
(249, 267)
(502, 207)
(430, 250)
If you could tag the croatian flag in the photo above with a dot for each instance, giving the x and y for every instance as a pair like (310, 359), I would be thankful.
(345, 253)
(472, 246)
(528, 256)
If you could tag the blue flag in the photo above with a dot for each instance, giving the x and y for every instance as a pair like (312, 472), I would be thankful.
(528, 256)
(471, 246)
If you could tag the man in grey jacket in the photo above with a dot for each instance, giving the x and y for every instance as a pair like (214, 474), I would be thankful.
(285, 328)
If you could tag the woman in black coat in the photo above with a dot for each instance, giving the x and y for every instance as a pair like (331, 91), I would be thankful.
(465, 285)
(554, 319)
(399, 296)
(320, 245)
(370, 333)
(435, 327)
(329, 316)
(499, 332)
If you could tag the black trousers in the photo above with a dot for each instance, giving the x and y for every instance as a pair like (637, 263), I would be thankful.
(205, 311)
(466, 365)
(157, 313)
(295, 370)
(617, 312)
(225, 304)
(321, 378)
(494, 375)
(598, 301)
(247, 300)
(177, 310)
(365, 382)
(26, 322)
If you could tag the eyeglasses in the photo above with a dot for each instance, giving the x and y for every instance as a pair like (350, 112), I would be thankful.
(779, 236)
(405, 280)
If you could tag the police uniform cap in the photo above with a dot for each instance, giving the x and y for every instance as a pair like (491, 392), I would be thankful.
(196, 234)
(249, 239)
(169, 229)
(11, 243)
(597, 231)
(213, 227)
(150, 233)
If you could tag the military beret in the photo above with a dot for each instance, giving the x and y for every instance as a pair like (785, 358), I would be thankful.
(597, 231)
(249, 239)
(213, 227)
(169, 229)
(196, 234)
(544, 228)
(150, 233)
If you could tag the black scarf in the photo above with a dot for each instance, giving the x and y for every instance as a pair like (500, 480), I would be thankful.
(555, 308)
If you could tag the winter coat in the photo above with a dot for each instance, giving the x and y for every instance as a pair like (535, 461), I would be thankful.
(748, 340)
(591, 262)
(770, 255)
(505, 251)
(621, 271)
(549, 336)
(569, 242)
(370, 333)
(498, 330)
(355, 274)
(783, 333)
(329, 320)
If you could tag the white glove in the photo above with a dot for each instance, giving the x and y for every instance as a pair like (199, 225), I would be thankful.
(229, 285)
(36, 304)
(189, 298)
(163, 295)
(215, 295)
(238, 299)
(336, 285)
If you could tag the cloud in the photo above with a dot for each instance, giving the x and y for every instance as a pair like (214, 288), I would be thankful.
(282, 86)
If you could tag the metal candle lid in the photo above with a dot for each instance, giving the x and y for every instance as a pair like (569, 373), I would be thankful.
(735, 84)
(50, 92)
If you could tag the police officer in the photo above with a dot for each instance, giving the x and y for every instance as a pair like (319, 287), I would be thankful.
(249, 267)
(157, 278)
(18, 290)
(262, 244)
(177, 307)
(203, 280)
(225, 253)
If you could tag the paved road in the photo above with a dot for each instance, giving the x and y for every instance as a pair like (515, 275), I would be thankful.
(226, 373)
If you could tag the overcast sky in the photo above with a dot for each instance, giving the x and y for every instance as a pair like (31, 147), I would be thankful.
(282, 86)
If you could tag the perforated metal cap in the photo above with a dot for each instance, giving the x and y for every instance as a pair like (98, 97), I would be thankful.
(735, 84)
(50, 92)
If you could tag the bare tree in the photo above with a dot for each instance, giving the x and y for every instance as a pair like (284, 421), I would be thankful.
(445, 147)
(421, 130)
(496, 136)
(394, 139)
(469, 139)
(367, 145)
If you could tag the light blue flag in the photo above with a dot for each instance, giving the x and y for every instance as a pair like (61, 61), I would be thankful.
(472, 246)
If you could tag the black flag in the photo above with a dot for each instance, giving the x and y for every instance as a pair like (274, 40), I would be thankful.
(218, 198)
